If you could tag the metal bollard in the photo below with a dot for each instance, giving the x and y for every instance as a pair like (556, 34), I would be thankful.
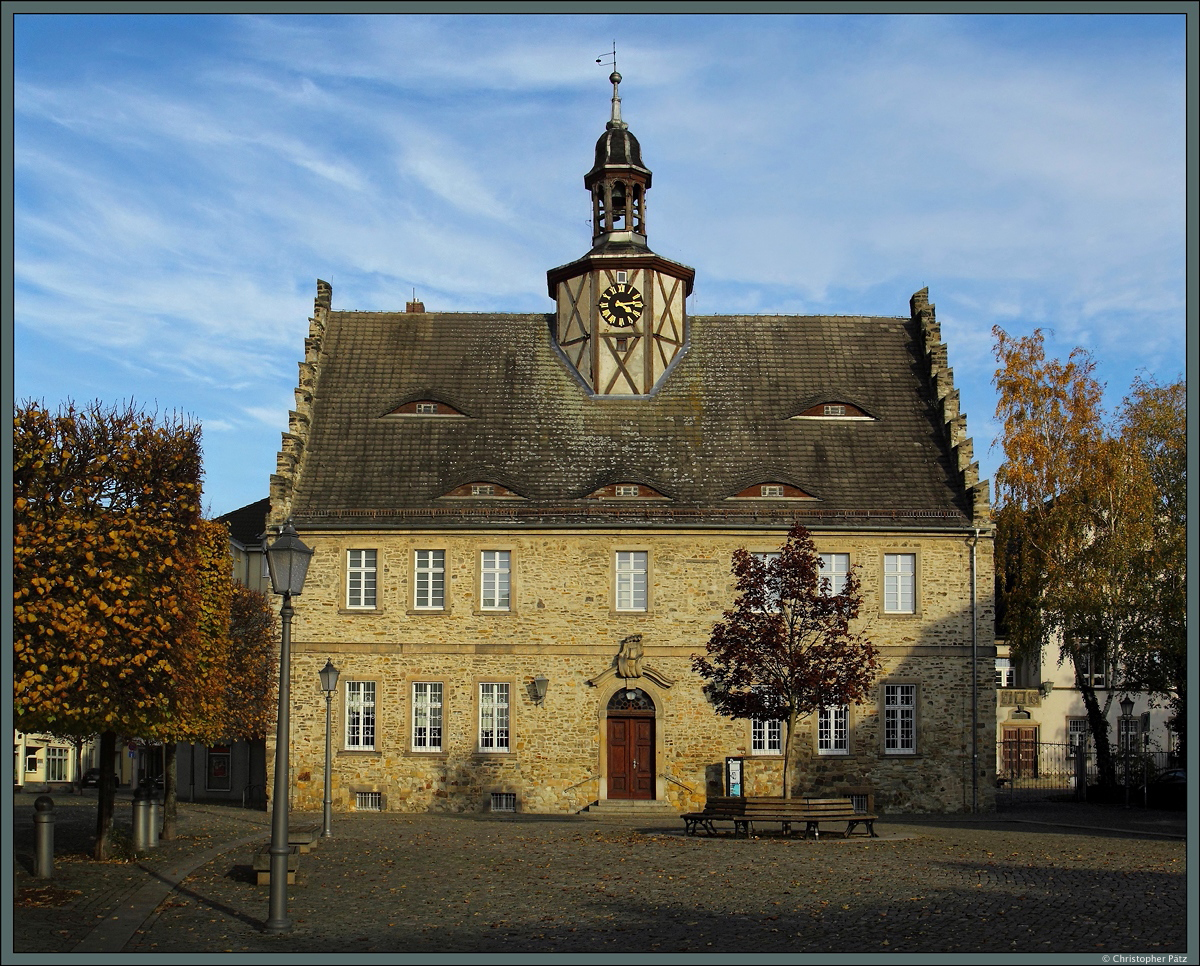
(43, 837)
(141, 819)
(155, 827)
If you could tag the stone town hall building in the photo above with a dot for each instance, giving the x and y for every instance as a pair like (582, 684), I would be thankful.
(502, 501)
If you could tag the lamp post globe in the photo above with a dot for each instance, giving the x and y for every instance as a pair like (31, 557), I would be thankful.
(287, 562)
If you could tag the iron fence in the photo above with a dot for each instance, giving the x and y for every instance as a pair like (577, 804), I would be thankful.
(1029, 770)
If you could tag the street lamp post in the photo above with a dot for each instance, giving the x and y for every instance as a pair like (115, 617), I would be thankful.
(1126, 730)
(329, 679)
(287, 560)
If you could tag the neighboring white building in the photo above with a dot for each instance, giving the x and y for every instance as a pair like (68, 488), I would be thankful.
(44, 763)
(1038, 706)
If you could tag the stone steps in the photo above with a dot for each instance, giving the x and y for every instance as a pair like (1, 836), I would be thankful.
(616, 809)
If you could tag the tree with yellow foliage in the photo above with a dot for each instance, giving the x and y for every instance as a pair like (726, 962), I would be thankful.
(105, 534)
(201, 701)
(1086, 547)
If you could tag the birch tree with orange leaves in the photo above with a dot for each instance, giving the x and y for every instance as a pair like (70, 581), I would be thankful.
(106, 514)
(1154, 425)
(1076, 519)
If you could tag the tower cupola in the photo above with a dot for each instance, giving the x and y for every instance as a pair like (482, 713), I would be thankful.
(620, 318)
(618, 183)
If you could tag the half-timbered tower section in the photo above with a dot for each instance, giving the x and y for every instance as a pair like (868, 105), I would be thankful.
(523, 527)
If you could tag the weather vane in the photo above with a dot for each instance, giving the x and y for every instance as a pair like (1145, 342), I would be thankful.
(615, 78)
(609, 53)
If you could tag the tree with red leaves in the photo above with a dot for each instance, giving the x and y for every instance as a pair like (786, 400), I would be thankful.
(786, 648)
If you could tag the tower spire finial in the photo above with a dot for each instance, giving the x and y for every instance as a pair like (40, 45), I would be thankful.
(615, 121)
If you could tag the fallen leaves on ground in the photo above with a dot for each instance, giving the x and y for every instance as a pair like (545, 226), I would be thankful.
(45, 896)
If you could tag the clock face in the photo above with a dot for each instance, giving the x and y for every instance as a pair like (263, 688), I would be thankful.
(621, 305)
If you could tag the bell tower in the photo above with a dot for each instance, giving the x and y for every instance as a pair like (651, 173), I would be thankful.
(620, 316)
(618, 181)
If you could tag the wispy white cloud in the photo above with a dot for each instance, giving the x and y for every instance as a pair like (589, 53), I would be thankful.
(174, 205)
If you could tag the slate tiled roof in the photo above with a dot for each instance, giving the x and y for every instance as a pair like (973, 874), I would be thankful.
(716, 425)
(248, 523)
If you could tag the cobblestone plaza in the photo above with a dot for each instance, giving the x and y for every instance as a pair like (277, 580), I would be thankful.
(1052, 879)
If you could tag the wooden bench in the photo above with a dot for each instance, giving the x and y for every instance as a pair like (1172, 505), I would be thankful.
(262, 864)
(305, 838)
(744, 812)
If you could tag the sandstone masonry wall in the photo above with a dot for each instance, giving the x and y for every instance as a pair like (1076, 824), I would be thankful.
(563, 624)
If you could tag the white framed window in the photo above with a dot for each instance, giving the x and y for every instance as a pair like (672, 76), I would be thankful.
(493, 716)
(834, 409)
(833, 730)
(56, 764)
(494, 573)
(1006, 674)
(368, 801)
(483, 489)
(31, 759)
(766, 736)
(1078, 736)
(628, 489)
(1093, 670)
(360, 715)
(900, 719)
(427, 716)
(426, 408)
(631, 579)
(429, 580)
(1128, 733)
(360, 579)
(899, 583)
(766, 559)
(835, 567)
(622, 277)
(771, 489)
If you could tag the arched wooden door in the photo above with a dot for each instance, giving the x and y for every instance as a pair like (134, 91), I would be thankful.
(631, 745)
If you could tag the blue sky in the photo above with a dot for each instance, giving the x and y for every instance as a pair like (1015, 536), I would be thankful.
(181, 182)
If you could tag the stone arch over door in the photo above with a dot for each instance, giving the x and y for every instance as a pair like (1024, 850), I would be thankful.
(626, 723)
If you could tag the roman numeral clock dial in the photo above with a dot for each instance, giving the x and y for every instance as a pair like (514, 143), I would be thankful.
(621, 305)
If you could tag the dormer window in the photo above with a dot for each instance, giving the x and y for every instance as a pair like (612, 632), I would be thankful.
(425, 407)
(832, 409)
(481, 490)
(626, 491)
(772, 490)
(622, 277)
